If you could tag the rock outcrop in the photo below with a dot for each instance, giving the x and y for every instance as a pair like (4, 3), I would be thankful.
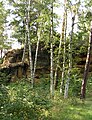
(12, 63)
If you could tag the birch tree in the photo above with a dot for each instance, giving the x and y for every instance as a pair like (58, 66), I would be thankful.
(51, 54)
(25, 32)
(36, 53)
(64, 45)
(29, 43)
(25, 46)
(74, 10)
(60, 44)
(70, 61)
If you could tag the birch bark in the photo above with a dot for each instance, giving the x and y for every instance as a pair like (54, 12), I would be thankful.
(59, 51)
(70, 60)
(29, 44)
(36, 54)
(51, 56)
(64, 53)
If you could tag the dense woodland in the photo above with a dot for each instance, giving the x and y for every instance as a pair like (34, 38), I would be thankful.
(50, 76)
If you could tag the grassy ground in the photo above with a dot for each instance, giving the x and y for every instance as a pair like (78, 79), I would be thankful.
(72, 109)
(23, 103)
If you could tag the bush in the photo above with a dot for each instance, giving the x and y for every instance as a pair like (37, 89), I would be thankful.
(4, 78)
(24, 103)
(75, 83)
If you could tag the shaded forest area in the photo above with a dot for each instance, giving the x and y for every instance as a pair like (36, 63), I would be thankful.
(13, 65)
(50, 76)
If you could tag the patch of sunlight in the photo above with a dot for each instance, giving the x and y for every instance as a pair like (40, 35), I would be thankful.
(89, 112)
(71, 108)
(77, 117)
(77, 109)
(45, 112)
(12, 94)
(90, 83)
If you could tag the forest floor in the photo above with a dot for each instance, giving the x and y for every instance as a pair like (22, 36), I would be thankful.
(18, 101)
(73, 109)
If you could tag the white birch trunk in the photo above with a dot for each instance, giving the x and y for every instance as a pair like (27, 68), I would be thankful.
(1, 53)
(64, 54)
(25, 34)
(51, 56)
(25, 44)
(70, 60)
(29, 45)
(59, 52)
(36, 54)
(57, 63)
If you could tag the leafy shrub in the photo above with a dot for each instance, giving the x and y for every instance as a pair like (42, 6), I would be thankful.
(4, 78)
(24, 103)
(75, 83)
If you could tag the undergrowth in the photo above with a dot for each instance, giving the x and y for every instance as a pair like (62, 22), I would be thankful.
(18, 101)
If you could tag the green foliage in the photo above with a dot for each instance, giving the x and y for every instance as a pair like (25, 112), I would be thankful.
(4, 78)
(24, 103)
(3, 96)
(72, 109)
(75, 83)
(40, 13)
(18, 101)
(3, 34)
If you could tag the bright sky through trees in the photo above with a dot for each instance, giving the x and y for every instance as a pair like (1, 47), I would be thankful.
(57, 10)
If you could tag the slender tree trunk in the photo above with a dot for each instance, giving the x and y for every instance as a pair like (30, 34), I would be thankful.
(59, 51)
(25, 31)
(64, 54)
(70, 60)
(29, 44)
(51, 56)
(84, 81)
(57, 65)
(25, 43)
(1, 53)
(35, 62)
